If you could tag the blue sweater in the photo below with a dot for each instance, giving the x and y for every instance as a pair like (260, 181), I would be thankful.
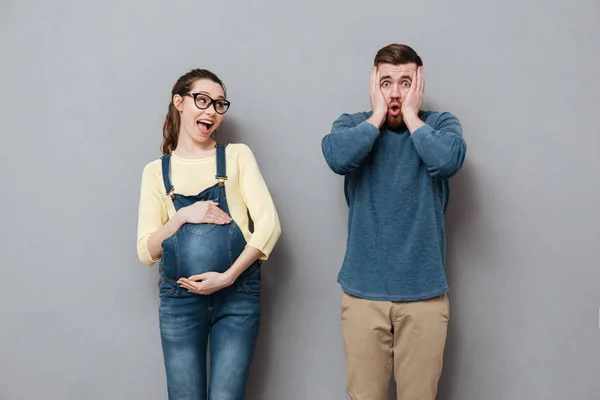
(396, 186)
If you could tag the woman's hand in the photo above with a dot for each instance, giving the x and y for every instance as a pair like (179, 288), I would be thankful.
(206, 283)
(204, 212)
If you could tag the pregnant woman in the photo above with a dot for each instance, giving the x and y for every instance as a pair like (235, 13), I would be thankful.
(195, 209)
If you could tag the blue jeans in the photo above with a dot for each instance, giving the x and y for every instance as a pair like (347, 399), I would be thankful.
(225, 323)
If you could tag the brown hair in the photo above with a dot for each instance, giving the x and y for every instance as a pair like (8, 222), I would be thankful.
(397, 54)
(172, 122)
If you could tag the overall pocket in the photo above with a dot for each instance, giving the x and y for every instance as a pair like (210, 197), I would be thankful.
(169, 260)
(166, 287)
(251, 279)
(199, 229)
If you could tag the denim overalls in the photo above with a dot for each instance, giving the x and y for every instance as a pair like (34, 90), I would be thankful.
(226, 321)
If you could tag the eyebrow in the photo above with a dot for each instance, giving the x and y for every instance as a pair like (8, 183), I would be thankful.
(402, 77)
(220, 97)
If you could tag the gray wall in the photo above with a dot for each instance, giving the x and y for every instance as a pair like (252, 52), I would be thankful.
(84, 89)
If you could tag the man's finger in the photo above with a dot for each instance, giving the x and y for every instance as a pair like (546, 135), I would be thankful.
(374, 73)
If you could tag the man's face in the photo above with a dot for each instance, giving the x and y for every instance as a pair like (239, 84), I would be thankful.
(395, 82)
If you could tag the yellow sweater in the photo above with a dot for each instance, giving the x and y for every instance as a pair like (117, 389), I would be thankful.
(245, 189)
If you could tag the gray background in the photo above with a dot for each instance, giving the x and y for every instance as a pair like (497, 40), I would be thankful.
(84, 90)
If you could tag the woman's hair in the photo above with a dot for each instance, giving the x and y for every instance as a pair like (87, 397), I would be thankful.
(172, 121)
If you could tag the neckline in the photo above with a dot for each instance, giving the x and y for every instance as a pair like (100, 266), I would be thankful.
(194, 160)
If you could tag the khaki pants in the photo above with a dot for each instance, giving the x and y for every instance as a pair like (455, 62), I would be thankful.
(411, 335)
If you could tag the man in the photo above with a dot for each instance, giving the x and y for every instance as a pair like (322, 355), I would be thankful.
(397, 161)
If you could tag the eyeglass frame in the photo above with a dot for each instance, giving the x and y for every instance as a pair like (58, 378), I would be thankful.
(212, 101)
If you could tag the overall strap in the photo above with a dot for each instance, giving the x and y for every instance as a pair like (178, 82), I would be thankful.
(166, 173)
(221, 164)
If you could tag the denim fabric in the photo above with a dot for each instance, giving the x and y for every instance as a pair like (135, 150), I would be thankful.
(224, 324)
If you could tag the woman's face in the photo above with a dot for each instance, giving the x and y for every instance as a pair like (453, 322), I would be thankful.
(198, 121)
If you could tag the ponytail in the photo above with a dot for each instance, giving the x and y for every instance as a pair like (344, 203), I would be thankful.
(171, 130)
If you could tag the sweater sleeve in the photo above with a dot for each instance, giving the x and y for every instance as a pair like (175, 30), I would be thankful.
(348, 144)
(441, 147)
(152, 212)
(261, 207)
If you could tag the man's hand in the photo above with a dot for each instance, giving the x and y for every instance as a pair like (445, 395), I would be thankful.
(413, 101)
(414, 98)
(378, 103)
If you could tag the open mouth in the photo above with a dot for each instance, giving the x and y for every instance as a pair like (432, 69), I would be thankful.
(395, 109)
(204, 125)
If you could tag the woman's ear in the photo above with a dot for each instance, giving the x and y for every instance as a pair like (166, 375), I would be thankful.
(178, 102)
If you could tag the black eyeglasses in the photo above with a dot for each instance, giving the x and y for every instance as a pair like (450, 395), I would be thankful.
(203, 101)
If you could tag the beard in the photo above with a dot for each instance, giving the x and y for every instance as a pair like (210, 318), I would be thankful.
(394, 122)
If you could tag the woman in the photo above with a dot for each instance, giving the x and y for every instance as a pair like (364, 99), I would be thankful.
(193, 218)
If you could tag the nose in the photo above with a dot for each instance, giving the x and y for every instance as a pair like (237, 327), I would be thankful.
(210, 110)
(395, 92)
